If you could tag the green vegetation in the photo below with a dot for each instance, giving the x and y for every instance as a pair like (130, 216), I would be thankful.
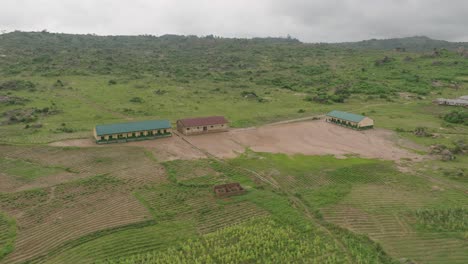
(148, 236)
(7, 235)
(417, 43)
(366, 196)
(457, 117)
(444, 220)
(87, 186)
(85, 80)
(191, 224)
(360, 247)
(26, 170)
(128, 205)
(203, 173)
(23, 199)
(260, 240)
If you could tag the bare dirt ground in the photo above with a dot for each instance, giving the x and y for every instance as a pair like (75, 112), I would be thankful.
(304, 137)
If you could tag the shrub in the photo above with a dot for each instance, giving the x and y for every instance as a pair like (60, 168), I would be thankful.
(136, 100)
(313, 70)
(58, 83)
(421, 132)
(247, 94)
(457, 117)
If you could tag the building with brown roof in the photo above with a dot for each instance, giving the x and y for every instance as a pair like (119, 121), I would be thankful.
(201, 125)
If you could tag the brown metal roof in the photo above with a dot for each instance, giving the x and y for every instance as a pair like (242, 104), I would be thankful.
(203, 121)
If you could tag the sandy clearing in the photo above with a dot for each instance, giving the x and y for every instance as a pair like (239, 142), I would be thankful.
(308, 137)
(305, 137)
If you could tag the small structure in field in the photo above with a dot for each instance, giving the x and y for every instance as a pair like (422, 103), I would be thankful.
(229, 189)
(461, 101)
(133, 131)
(350, 120)
(201, 125)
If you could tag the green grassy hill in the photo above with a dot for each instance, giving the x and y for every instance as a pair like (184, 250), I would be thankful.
(417, 43)
(59, 86)
(122, 203)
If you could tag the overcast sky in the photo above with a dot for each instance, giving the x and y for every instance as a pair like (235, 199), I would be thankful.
(309, 21)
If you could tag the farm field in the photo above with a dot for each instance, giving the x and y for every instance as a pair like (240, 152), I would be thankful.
(314, 192)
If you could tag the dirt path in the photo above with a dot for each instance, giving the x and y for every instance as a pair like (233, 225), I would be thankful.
(290, 137)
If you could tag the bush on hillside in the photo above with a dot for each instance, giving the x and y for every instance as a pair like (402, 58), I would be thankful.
(136, 100)
(457, 117)
(17, 85)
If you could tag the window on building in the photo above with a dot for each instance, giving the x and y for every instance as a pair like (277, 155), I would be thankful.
(102, 137)
(188, 128)
(211, 126)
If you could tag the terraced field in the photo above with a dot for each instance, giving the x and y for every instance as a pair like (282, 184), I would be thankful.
(127, 242)
(59, 165)
(372, 198)
(70, 211)
(7, 235)
(257, 240)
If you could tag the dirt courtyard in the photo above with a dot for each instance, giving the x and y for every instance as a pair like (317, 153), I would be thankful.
(306, 137)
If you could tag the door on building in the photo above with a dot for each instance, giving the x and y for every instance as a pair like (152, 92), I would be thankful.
(205, 128)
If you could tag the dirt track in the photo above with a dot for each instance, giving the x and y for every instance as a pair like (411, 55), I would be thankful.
(307, 137)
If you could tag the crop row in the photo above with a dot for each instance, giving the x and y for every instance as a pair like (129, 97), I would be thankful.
(7, 235)
(259, 240)
(63, 222)
(450, 219)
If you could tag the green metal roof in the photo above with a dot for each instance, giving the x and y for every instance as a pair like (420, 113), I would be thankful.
(132, 127)
(346, 116)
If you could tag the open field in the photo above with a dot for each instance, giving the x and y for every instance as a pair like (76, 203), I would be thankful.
(314, 191)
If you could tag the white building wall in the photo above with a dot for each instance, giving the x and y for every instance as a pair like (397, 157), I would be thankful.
(203, 129)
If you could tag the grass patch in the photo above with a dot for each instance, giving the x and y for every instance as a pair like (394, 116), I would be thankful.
(23, 199)
(86, 186)
(7, 235)
(204, 173)
(326, 195)
(443, 220)
(26, 170)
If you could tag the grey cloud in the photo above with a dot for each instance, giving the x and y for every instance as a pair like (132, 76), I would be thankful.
(311, 21)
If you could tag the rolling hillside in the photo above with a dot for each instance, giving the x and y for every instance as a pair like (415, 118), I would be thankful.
(314, 191)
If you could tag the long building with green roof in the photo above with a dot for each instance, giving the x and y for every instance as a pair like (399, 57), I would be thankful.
(132, 131)
(349, 120)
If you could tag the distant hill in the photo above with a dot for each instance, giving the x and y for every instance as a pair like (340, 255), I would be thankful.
(417, 43)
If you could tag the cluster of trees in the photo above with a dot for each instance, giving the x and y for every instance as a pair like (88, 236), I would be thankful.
(457, 117)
